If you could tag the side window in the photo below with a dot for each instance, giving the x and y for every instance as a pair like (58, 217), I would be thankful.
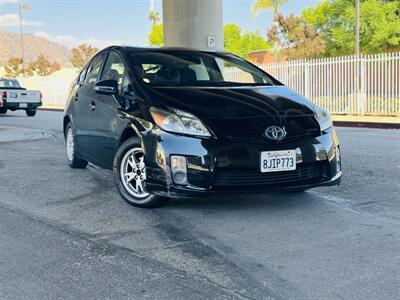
(93, 70)
(82, 75)
(114, 69)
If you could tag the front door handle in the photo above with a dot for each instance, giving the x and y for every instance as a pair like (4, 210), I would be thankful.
(92, 106)
(76, 97)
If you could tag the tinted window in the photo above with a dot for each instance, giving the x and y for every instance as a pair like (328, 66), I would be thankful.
(9, 83)
(94, 70)
(197, 68)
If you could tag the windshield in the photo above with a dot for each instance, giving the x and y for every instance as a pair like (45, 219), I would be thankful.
(188, 68)
(9, 83)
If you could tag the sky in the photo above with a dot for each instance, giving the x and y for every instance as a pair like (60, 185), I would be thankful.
(102, 23)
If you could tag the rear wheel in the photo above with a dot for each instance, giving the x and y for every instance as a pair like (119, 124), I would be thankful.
(73, 160)
(3, 110)
(130, 175)
(30, 112)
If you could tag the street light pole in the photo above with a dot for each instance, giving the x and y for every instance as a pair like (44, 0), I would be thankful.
(357, 48)
(20, 8)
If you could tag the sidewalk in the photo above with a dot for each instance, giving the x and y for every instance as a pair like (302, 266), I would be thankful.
(367, 121)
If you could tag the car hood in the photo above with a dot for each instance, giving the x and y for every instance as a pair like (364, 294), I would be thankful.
(234, 102)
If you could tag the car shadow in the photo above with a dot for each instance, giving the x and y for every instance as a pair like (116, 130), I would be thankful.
(280, 201)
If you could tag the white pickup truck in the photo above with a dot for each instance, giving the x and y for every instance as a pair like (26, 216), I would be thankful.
(14, 97)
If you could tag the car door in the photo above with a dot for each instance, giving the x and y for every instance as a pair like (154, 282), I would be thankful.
(104, 118)
(85, 98)
(79, 111)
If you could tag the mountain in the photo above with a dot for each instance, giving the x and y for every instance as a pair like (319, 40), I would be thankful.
(10, 46)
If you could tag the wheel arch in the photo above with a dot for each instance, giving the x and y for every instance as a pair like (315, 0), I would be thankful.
(66, 120)
(127, 134)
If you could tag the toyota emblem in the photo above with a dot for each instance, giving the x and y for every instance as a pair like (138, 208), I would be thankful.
(275, 133)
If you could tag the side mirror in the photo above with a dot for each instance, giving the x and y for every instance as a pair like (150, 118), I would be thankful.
(106, 87)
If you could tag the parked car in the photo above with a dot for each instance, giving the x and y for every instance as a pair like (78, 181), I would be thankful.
(174, 122)
(14, 97)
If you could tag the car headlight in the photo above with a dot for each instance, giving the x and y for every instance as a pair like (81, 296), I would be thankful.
(177, 121)
(324, 119)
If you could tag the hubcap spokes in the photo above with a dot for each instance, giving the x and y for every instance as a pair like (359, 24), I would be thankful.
(133, 173)
(70, 144)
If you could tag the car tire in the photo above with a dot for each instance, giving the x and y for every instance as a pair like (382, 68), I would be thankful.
(132, 190)
(31, 112)
(3, 110)
(73, 160)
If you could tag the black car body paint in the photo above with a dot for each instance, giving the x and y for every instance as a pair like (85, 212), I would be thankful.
(236, 116)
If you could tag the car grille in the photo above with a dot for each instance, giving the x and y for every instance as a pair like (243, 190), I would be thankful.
(255, 177)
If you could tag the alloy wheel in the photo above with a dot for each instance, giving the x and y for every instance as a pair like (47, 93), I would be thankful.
(133, 173)
(70, 144)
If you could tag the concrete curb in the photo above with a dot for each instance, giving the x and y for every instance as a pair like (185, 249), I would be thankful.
(51, 108)
(360, 124)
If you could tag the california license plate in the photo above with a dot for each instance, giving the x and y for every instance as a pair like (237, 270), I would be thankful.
(23, 105)
(278, 161)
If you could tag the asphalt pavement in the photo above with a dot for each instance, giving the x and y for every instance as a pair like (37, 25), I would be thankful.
(67, 234)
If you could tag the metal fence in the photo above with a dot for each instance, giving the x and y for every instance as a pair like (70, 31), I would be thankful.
(367, 85)
(330, 83)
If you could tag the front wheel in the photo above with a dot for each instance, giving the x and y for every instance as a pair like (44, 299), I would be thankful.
(130, 175)
(3, 110)
(31, 112)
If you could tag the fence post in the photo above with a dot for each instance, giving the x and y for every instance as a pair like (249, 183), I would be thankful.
(306, 79)
(362, 77)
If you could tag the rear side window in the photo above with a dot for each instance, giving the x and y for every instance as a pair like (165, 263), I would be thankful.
(9, 83)
(94, 70)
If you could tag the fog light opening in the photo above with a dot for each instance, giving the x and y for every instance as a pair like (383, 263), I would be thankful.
(179, 169)
(338, 160)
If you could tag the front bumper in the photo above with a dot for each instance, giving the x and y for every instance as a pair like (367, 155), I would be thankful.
(217, 167)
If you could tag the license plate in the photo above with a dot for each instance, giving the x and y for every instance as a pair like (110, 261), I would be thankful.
(23, 105)
(278, 161)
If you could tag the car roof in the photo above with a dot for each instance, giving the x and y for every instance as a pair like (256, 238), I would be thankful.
(163, 49)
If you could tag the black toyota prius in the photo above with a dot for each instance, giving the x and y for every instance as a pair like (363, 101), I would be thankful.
(175, 122)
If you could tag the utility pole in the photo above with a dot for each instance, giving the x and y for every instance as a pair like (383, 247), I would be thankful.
(20, 8)
(357, 48)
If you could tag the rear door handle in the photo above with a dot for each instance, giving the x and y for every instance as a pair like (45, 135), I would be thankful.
(92, 106)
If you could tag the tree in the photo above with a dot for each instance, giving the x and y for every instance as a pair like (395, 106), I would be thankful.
(154, 17)
(273, 5)
(82, 54)
(13, 68)
(42, 67)
(156, 35)
(379, 28)
(240, 43)
(234, 40)
(296, 37)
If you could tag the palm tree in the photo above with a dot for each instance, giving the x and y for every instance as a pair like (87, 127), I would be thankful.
(154, 16)
(274, 5)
